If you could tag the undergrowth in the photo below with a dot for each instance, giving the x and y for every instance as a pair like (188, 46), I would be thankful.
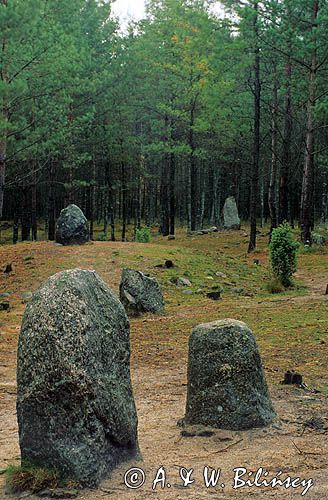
(32, 478)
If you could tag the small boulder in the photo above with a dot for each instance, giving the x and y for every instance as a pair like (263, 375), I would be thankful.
(140, 294)
(214, 295)
(8, 269)
(231, 218)
(26, 297)
(72, 227)
(183, 281)
(75, 404)
(220, 275)
(226, 382)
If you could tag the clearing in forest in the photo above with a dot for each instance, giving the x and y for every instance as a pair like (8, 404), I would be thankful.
(290, 328)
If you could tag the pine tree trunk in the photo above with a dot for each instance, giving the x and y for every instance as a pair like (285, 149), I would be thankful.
(164, 197)
(93, 200)
(26, 215)
(4, 113)
(324, 205)
(257, 118)
(51, 207)
(34, 219)
(2, 172)
(286, 148)
(124, 201)
(193, 184)
(16, 220)
(274, 157)
(308, 172)
(172, 195)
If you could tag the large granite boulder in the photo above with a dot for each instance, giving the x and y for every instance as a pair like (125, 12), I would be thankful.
(75, 404)
(231, 218)
(226, 382)
(72, 227)
(140, 294)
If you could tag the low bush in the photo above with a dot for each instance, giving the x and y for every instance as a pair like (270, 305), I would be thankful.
(283, 254)
(143, 235)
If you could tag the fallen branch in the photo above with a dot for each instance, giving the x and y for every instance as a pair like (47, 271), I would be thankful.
(222, 450)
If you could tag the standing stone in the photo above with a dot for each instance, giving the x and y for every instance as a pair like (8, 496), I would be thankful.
(231, 218)
(140, 294)
(72, 227)
(226, 382)
(75, 404)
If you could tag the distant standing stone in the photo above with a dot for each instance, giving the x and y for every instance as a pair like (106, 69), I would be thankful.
(140, 294)
(226, 382)
(72, 227)
(231, 218)
(75, 404)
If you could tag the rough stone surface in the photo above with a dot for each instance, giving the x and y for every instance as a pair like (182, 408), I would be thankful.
(72, 227)
(226, 382)
(140, 294)
(75, 404)
(231, 218)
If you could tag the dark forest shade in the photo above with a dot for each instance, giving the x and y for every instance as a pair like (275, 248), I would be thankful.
(186, 112)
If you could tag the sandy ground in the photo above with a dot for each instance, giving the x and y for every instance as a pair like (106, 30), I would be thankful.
(297, 444)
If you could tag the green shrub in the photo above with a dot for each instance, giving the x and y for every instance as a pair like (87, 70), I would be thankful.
(283, 254)
(143, 235)
(318, 239)
(103, 237)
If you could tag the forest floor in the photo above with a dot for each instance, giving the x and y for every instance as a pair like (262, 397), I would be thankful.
(291, 329)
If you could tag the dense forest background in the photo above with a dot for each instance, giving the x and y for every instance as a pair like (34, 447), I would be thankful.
(159, 124)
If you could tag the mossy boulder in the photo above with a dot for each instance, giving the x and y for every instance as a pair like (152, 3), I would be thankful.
(140, 294)
(72, 227)
(226, 382)
(75, 404)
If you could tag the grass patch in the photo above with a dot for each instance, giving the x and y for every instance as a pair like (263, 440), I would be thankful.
(32, 478)
(274, 286)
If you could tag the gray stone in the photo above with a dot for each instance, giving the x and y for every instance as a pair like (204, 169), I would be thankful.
(140, 294)
(183, 282)
(75, 404)
(26, 297)
(231, 218)
(220, 275)
(188, 292)
(72, 227)
(226, 382)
